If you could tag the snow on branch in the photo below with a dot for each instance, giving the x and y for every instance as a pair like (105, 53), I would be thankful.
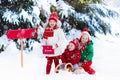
(65, 9)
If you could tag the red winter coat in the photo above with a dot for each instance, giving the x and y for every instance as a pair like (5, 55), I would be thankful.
(71, 56)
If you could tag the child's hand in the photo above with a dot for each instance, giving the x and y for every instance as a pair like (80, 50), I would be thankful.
(55, 46)
(59, 56)
(80, 64)
(85, 61)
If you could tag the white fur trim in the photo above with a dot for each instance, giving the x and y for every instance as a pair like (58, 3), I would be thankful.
(85, 32)
(59, 24)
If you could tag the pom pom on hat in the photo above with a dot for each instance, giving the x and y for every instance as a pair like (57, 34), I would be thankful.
(54, 16)
(85, 29)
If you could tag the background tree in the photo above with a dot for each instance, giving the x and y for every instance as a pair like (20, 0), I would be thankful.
(76, 14)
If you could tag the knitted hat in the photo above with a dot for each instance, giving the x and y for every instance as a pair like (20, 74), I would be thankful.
(54, 16)
(85, 31)
(59, 24)
(75, 42)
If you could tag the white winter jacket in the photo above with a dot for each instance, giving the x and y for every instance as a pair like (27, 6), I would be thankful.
(59, 39)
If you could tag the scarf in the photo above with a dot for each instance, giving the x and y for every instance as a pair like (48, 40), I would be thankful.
(49, 32)
(82, 47)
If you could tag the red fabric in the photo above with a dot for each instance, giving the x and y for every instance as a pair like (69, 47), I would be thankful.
(54, 16)
(71, 56)
(37, 26)
(49, 32)
(87, 67)
(47, 49)
(82, 47)
(85, 29)
(21, 33)
(50, 61)
(75, 42)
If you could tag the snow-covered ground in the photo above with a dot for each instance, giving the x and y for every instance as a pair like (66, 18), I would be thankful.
(105, 62)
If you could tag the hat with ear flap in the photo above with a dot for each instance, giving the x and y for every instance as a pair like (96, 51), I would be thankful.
(85, 31)
(54, 16)
(59, 24)
(75, 42)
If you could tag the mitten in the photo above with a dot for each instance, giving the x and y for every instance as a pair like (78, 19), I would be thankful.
(62, 66)
(76, 66)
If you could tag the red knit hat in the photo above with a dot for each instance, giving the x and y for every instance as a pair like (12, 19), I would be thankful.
(85, 31)
(75, 42)
(54, 16)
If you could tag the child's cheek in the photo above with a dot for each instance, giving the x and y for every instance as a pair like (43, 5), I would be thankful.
(69, 49)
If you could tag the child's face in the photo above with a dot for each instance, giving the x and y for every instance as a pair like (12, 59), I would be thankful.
(84, 38)
(52, 23)
(71, 47)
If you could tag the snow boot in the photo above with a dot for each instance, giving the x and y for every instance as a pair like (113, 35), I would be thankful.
(87, 67)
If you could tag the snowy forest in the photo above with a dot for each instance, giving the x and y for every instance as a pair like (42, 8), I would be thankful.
(77, 14)
(101, 17)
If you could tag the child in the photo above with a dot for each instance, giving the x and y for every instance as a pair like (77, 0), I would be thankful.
(56, 39)
(86, 49)
(72, 55)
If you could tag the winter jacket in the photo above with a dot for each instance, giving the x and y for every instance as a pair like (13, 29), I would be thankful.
(87, 54)
(59, 39)
(71, 56)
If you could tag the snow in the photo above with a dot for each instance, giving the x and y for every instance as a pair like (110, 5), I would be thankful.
(114, 3)
(72, 34)
(43, 4)
(65, 8)
(10, 16)
(105, 62)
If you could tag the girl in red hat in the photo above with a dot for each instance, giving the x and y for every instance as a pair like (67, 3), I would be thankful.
(87, 52)
(53, 36)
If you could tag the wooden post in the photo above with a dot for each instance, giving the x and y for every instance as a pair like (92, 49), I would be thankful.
(21, 43)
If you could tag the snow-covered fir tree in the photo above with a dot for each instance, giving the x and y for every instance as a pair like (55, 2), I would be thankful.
(76, 14)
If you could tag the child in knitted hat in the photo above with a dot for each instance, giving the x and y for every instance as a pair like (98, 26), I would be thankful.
(87, 52)
(71, 55)
(53, 36)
